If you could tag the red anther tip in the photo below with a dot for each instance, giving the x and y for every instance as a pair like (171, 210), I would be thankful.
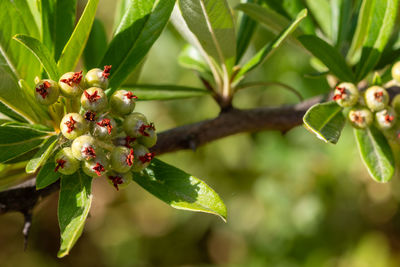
(130, 158)
(106, 123)
(98, 169)
(60, 164)
(70, 124)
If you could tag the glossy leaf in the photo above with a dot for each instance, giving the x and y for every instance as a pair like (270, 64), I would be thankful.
(42, 54)
(73, 208)
(47, 175)
(42, 155)
(375, 153)
(271, 47)
(179, 189)
(292, 8)
(326, 121)
(190, 58)
(11, 151)
(321, 11)
(267, 17)
(328, 55)
(58, 20)
(96, 46)
(140, 27)
(341, 15)
(14, 134)
(211, 22)
(11, 113)
(246, 30)
(74, 48)
(363, 23)
(165, 92)
(381, 25)
(16, 61)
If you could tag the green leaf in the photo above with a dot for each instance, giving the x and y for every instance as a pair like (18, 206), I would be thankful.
(164, 92)
(73, 49)
(58, 20)
(47, 175)
(211, 22)
(41, 53)
(42, 155)
(96, 45)
(341, 15)
(73, 208)
(328, 55)
(190, 58)
(140, 27)
(363, 23)
(293, 7)
(245, 33)
(11, 113)
(16, 61)
(14, 134)
(375, 153)
(11, 151)
(271, 47)
(321, 11)
(179, 189)
(326, 121)
(267, 17)
(379, 32)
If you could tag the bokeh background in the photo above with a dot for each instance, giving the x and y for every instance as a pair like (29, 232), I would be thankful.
(292, 200)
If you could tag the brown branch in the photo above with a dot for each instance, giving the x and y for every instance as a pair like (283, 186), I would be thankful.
(24, 197)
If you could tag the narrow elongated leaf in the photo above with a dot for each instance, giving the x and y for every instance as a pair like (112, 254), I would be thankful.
(58, 20)
(211, 22)
(11, 151)
(328, 55)
(41, 53)
(96, 45)
(42, 155)
(267, 17)
(246, 30)
(292, 8)
(190, 58)
(11, 113)
(14, 134)
(73, 208)
(165, 92)
(47, 174)
(326, 121)
(375, 153)
(179, 189)
(321, 11)
(341, 14)
(271, 47)
(73, 49)
(379, 32)
(140, 27)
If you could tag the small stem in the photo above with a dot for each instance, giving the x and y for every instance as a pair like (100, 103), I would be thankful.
(104, 145)
(266, 84)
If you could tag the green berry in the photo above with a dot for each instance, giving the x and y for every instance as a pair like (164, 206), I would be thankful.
(123, 102)
(96, 167)
(71, 84)
(376, 98)
(119, 180)
(396, 71)
(73, 125)
(65, 162)
(94, 99)
(142, 158)
(98, 78)
(149, 138)
(134, 124)
(346, 95)
(84, 148)
(386, 118)
(122, 159)
(360, 117)
(47, 92)
(104, 128)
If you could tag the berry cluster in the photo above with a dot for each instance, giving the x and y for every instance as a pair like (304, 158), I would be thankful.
(105, 137)
(370, 106)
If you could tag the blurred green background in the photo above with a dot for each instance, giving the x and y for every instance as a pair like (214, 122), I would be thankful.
(292, 200)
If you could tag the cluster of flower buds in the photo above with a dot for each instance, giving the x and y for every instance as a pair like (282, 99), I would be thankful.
(370, 106)
(105, 137)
